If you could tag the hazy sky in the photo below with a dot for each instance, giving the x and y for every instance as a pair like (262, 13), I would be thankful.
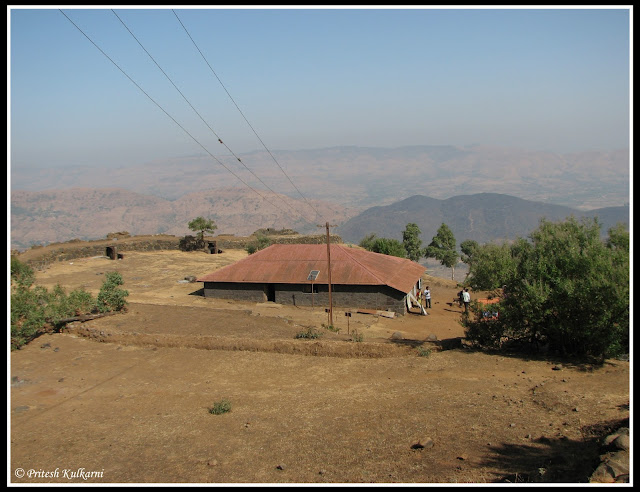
(538, 79)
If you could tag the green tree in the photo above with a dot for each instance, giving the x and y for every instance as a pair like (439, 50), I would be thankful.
(383, 245)
(111, 297)
(468, 248)
(412, 242)
(261, 242)
(491, 265)
(443, 248)
(391, 247)
(34, 309)
(367, 241)
(21, 273)
(202, 225)
(568, 290)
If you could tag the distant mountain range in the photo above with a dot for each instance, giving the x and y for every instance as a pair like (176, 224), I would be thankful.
(483, 217)
(362, 177)
(43, 217)
(387, 187)
(57, 216)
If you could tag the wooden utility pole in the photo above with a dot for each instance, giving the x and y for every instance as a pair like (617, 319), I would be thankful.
(329, 272)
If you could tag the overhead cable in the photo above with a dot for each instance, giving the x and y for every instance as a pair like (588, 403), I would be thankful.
(243, 116)
(201, 118)
(171, 117)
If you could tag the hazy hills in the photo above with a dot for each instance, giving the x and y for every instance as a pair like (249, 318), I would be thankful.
(482, 217)
(364, 177)
(87, 202)
(55, 216)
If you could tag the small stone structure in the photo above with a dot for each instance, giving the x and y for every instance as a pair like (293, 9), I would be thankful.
(212, 247)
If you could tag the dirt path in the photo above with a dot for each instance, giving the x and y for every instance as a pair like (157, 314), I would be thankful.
(129, 403)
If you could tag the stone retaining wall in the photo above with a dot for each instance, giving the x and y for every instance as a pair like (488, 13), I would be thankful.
(40, 256)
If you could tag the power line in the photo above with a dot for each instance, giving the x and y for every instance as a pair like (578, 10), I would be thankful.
(243, 116)
(201, 118)
(171, 117)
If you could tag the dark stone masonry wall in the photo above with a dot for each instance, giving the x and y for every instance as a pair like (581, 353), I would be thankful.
(238, 292)
(45, 255)
(364, 296)
(40, 256)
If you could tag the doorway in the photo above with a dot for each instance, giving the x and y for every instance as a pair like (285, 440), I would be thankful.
(271, 293)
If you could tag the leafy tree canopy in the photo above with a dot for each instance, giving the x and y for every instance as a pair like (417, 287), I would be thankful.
(468, 248)
(443, 248)
(412, 242)
(383, 245)
(34, 309)
(566, 289)
(202, 225)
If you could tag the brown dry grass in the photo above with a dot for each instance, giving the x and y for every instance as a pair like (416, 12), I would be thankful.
(128, 395)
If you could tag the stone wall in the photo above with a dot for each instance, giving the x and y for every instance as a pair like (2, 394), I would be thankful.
(346, 296)
(237, 292)
(40, 257)
(233, 242)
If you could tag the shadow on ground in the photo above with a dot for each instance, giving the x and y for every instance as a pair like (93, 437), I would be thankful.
(552, 460)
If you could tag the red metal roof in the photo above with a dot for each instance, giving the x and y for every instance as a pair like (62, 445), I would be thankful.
(292, 263)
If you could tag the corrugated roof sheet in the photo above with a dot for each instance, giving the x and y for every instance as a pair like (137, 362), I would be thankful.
(292, 263)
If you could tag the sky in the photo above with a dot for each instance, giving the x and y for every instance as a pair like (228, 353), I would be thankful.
(83, 90)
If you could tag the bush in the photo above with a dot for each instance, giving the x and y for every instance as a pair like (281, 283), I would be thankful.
(567, 290)
(28, 314)
(309, 333)
(424, 352)
(21, 273)
(261, 242)
(331, 328)
(357, 337)
(383, 245)
(220, 407)
(191, 243)
(111, 297)
(34, 309)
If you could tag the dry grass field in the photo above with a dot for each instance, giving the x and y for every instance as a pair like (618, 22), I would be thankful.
(127, 398)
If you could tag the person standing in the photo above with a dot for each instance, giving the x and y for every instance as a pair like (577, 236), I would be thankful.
(427, 297)
(466, 298)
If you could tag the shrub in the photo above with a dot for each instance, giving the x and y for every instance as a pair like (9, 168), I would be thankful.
(357, 337)
(34, 307)
(309, 333)
(191, 243)
(566, 289)
(220, 407)
(21, 273)
(28, 314)
(261, 242)
(383, 245)
(424, 352)
(331, 328)
(111, 297)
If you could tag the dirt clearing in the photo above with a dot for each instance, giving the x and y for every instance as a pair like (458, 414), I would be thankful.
(126, 398)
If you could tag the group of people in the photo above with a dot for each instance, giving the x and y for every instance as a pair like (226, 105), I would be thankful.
(463, 297)
(426, 296)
